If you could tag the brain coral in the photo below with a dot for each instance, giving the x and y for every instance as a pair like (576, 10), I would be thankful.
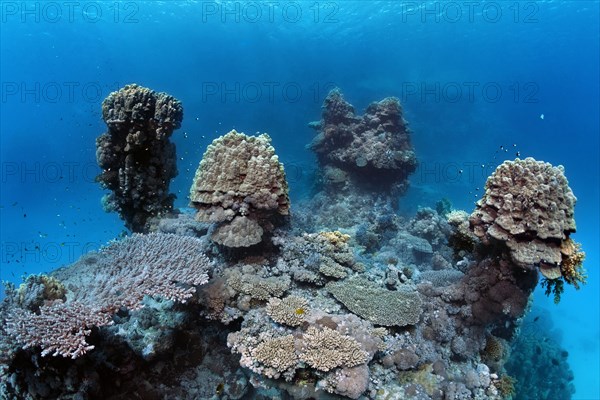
(241, 185)
(136, 156)
(528, 205)
(376, 144)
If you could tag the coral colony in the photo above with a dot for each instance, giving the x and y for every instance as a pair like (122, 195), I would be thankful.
(249, 296)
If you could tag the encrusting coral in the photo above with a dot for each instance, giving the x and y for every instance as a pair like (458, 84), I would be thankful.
(136, 156)
(240, 184)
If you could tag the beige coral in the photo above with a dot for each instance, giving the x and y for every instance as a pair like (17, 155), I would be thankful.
(240, 184)
(260, 288)
(289, 311)
(325, 349)
(278, 353)
(528, 205)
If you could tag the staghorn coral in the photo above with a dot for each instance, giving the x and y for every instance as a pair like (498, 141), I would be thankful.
(375, 146)
(289, 311)
(60, 329)
(378, 305)
(154, 264)
(120, 275)
(136, 156)
(529, 206)
(240, 184)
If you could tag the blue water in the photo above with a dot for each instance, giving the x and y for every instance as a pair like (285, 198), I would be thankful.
(471, 77)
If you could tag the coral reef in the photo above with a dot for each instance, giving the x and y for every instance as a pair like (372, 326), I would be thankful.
(317, 257)
(240, 184)
(136, 156)
(349, 300)
(374, 148)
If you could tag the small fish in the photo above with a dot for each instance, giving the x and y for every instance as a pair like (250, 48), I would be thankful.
(24, 215)
(536, 318)
(518, 154)
(460, 171)
(542, 116)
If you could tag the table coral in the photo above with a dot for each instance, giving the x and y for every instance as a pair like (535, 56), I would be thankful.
(376, 304)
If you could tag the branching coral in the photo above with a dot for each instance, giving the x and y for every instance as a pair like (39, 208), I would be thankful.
(325, 349)
(59, 329)
(278, 353)
(163, 265)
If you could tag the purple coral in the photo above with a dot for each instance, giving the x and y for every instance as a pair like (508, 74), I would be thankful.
(156, 264)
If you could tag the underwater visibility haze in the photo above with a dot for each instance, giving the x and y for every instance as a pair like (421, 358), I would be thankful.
(300, 200)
